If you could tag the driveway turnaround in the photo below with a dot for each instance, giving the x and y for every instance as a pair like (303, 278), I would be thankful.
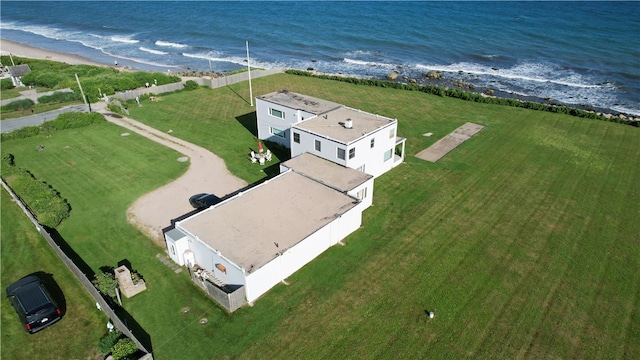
(207, 173)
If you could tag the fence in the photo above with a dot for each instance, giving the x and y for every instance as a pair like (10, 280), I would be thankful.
(210, 82)
(82, 277)
(231, 300)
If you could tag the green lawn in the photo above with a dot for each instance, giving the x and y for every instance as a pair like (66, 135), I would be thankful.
(524, 240)
(25, 252)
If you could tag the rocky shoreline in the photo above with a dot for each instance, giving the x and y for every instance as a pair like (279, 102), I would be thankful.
(439, 79)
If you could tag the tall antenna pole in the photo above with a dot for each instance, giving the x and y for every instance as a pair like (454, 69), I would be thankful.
(84, 98)
(249, 69)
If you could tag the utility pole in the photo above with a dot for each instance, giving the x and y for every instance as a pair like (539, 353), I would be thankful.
(82, 93)
(249, 69)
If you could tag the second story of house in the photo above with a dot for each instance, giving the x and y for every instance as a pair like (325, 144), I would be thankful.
(349, 137)
(277, 111)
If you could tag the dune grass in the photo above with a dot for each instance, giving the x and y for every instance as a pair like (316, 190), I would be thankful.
(523, 241)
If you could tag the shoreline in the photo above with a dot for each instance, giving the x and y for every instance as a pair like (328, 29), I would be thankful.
(8, 47)
(18, 49)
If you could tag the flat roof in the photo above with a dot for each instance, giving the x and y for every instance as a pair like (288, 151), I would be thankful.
(337, 176)
(297, 101)
(283, 211)
(332, 124)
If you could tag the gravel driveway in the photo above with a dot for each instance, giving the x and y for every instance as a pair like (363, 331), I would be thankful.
(207, 172)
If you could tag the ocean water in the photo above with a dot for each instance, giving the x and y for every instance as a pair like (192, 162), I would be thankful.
(580, 53)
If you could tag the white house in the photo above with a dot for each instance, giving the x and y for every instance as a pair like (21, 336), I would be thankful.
(240, 248)
(346, 136)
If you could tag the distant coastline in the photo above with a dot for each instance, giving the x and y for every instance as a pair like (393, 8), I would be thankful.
(22, 50)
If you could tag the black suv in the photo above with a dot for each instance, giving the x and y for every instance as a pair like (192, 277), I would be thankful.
(32, 302)
(203, 200)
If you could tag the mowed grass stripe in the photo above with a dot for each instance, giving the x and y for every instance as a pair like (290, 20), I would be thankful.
(487, 238)
(606, 282)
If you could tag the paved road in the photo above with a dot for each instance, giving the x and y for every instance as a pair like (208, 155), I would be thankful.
(37, 119)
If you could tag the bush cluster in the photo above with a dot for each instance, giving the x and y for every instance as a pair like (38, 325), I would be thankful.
(18, 105)
(45, 203)
(191, 85)
(469, 96)
(95, 80)
(59, 97)
(119, 346)
(6, 84)
(106, 283)
(106, 342)
(63, 121)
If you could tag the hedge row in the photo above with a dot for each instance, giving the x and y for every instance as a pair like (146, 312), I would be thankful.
(45, 203)
(18, 105)
(469, 96)
(63, 121)
(60, 97)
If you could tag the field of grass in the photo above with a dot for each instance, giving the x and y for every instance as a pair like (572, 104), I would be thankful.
(25, 252)
(523, 241)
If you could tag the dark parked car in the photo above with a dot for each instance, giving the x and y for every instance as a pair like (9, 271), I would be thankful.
(203, 200)
(33, 303)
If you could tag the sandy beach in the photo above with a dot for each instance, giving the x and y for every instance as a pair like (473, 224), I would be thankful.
(16, 49)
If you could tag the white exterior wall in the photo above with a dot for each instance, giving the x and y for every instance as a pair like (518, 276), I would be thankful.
(265, 121)
(263, 279)
(207, 258)
(371, 158)
(177, 247)
(368, 199)
(328, 151)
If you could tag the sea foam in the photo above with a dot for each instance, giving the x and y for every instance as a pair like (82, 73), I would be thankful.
(171, 44)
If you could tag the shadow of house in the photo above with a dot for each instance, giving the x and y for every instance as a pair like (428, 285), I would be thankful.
(249, 121)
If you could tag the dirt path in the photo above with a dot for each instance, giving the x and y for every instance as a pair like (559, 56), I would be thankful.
(207, 172)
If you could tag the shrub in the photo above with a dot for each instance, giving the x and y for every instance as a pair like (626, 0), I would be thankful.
(124, 349)
(6, 84)
(107, 342)
(114, 108)
(191, 85)
(106, 283)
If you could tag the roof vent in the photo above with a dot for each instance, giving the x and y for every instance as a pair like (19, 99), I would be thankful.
(348, 124)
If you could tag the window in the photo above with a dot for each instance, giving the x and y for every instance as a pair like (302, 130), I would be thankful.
(296, 137)
(277, 132)
(341, 153)
(352, 153)
(361, 168)
(276, 113)
(388, 154)
(318, 145)
(361, 194)
(373, 142)
(392, 133)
